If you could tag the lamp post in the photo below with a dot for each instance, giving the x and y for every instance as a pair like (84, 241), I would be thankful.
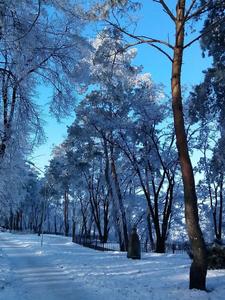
(45, 200)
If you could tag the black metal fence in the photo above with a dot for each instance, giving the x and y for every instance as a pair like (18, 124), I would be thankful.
(94, 243)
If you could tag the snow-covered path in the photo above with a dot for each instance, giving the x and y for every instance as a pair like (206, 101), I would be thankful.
(36, 277)
(63, 270)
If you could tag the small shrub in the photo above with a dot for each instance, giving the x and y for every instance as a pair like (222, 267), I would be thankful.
(216, 256)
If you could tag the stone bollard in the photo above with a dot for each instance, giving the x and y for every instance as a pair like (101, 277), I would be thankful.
(134, 247)
(173, 248)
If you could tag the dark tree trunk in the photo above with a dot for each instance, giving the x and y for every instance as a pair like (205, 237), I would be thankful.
(149, 225)
(198, 269)
(123, 218)
(94, 204)
(110, 189)
(160, 245)
(11, 221)
(21, 221)
(17, 220)
(221, 209)
(66, 206)
(74, 232)
(106, 221)
(55, 224)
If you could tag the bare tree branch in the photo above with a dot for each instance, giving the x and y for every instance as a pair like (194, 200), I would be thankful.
(141, 38)
(189, 10)
(151, 45)
(166, 9)
(33, 23)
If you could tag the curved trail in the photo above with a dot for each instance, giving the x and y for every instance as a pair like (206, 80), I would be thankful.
(35, 276)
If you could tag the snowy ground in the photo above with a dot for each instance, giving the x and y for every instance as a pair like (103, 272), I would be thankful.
(63, 270)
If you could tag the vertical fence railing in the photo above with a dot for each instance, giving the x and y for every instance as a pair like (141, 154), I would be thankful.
(94, 243)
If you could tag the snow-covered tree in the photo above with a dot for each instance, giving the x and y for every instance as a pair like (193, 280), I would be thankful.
(116, 140)
(40, 44)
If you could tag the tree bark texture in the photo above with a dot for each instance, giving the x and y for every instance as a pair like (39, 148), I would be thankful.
(198, 269)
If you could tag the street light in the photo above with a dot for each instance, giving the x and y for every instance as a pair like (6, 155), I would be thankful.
(45, 199)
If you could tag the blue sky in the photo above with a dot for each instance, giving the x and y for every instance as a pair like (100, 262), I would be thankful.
(154, 23)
